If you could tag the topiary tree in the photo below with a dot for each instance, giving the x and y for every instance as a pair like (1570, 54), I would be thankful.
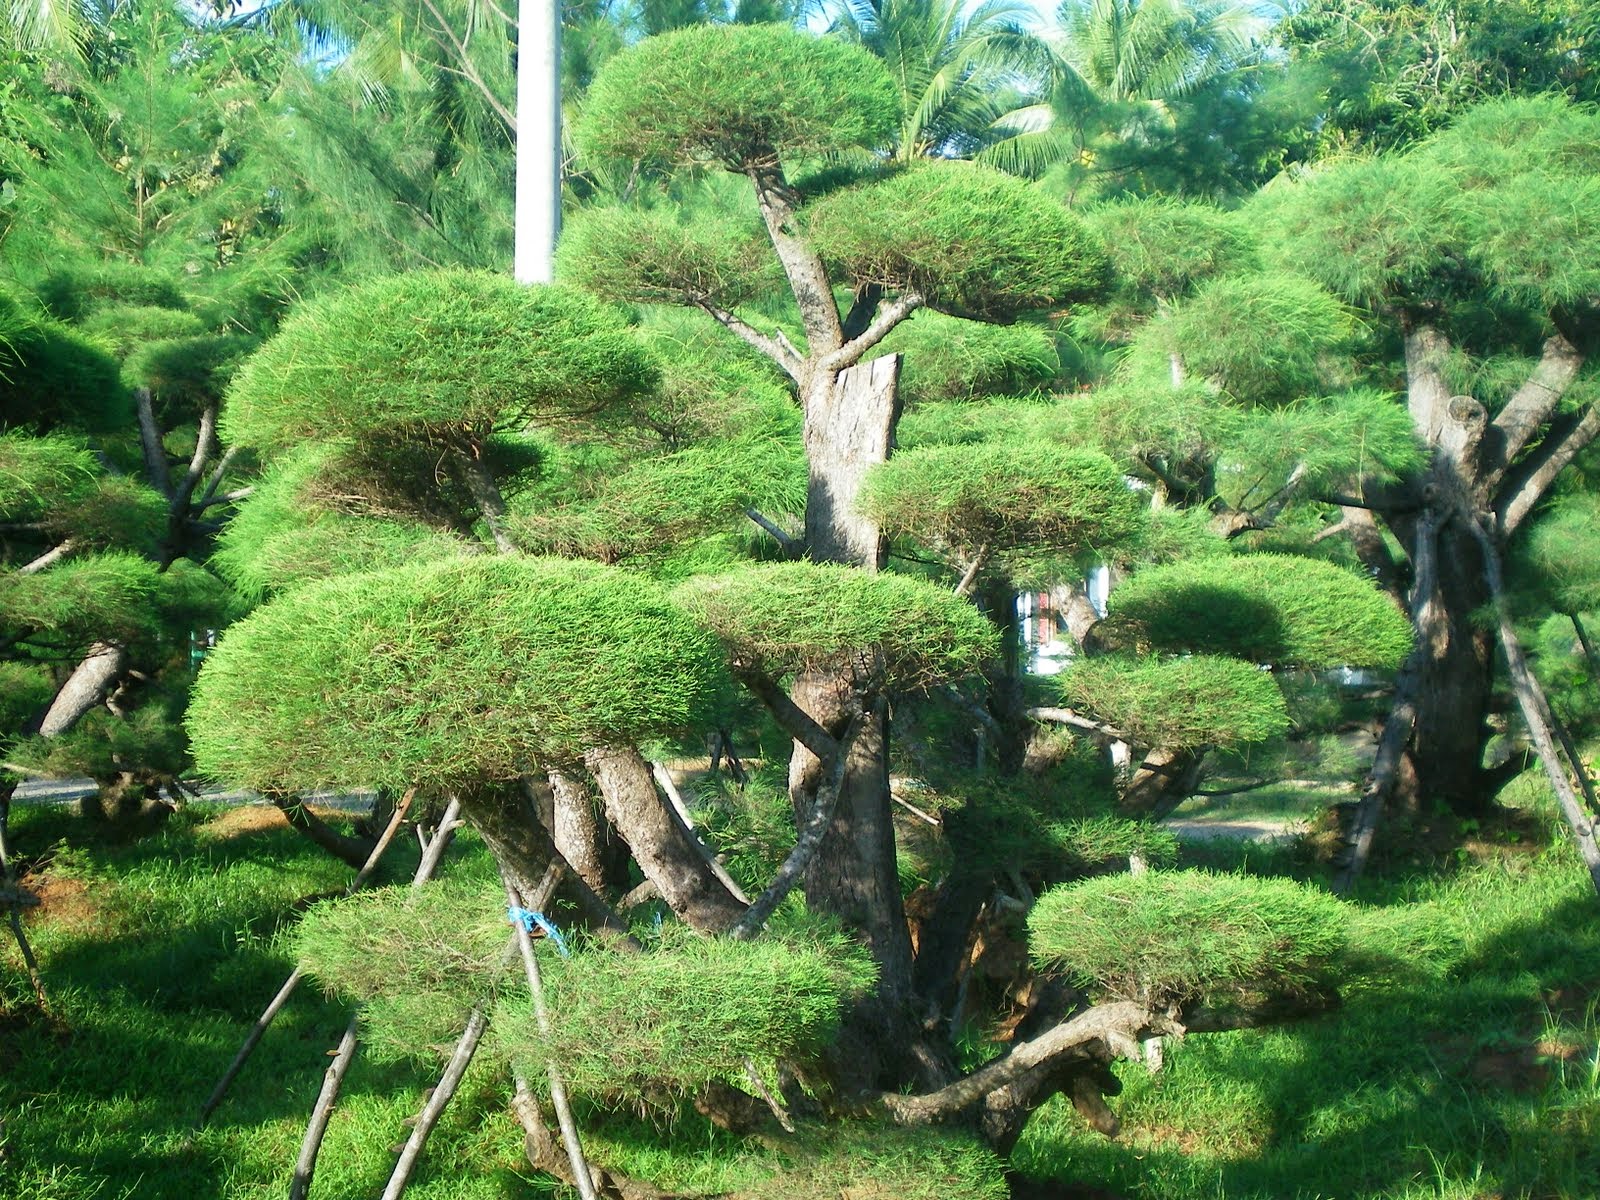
(1205, 630)
(98, 598)
(759, 103)
(1492, 328)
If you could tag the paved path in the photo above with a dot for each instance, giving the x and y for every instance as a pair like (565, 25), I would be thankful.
(61, 791)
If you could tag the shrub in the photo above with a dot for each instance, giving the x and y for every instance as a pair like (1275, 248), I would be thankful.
(430, 354)
(892, 631)
(1176, 937)
(1004, 495)
(1267, 608)
(947, 358)
(735, 94)
(1200, 700)
(973, 242)
(459, 672)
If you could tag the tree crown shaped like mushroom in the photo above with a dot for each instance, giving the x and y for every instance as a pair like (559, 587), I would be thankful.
(463, 672)
(893, 632)
(434, 354)
(738, 96)
(1267, 608)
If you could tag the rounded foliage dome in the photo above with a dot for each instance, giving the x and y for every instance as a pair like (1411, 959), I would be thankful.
(456, 673)
(431, 353)
(740, 96)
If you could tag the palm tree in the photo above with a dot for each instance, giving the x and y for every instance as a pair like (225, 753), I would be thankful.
(960, 69)
(1116, 64)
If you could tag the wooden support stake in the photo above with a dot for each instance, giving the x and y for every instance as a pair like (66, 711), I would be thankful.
(467, 1046)
(558, 1090)
(270, 1013)
(1536, 711)
(345, 1053)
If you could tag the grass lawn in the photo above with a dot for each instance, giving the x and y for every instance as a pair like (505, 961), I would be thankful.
(1463, 1064)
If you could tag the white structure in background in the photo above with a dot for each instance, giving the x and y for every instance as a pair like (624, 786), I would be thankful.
(1044, 642)
(538, 217)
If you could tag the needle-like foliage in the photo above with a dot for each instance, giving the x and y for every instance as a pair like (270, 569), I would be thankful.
(893, 631)
(971, 241)
(460, 672)
(738, 96)
(429, 354)
(1167, 937)
(1265, 608)
(1197, 700)
(1004, 495)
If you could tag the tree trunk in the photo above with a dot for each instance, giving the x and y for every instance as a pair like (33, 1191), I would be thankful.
(1164, 779)
(506, 821)
(576, 827)
(1453, 685)
(1004, 676)
(849, 423)
(84, 688)
(666, 852)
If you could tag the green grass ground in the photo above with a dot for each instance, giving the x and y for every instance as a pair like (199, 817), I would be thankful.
(1463, 1064)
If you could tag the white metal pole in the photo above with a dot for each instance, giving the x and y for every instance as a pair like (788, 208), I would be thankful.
(538, 199)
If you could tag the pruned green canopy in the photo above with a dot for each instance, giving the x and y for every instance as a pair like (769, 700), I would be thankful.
(433, 353)
(896, 631)
(459, 672)
(737, 96)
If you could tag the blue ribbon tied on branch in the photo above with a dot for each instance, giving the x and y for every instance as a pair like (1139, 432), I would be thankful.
(531, 920)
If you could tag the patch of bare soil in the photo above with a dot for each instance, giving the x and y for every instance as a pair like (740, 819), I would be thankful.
(64, 901)
(246, 819)
(241, 821)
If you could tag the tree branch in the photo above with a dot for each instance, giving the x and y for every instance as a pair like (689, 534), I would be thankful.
(791, 546)
(969, 577)
(777, 348)
(1119, 1026)
(807, 841)
(1534, 402)
(791, 718)
(49, 558)
(1525, 493)
(155, 457)
(1065, 716)
(888, 317)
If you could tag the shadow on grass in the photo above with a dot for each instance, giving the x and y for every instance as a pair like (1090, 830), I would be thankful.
(1430, 1082)
(171, 952)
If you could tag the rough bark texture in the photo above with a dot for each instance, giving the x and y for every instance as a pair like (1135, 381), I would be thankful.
(1164, 779)
(849, 421)
(666, 852)
(576, 827)
(1478, 468)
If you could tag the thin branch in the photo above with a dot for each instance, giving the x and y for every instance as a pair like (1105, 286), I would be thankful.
(969, 577)
(1535, 480)
(232, 497)
(791, 545)
(791, 718)
(217, 473)
(49, 558)
(469, 71)
(1065, 716)
(776, 347)
(155, 456)
(888, 317)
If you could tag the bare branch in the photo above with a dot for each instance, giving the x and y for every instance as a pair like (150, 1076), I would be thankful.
(777, 348)
(1065, 716)
(969, 577)
(1535, 401)
(469, 71)
(49, 558)
(1536, 479)
(217, 473)
(791, 718)
(155, 457)
(790, 545)
(807, 841)
(888, 317)
(1119, 1027)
